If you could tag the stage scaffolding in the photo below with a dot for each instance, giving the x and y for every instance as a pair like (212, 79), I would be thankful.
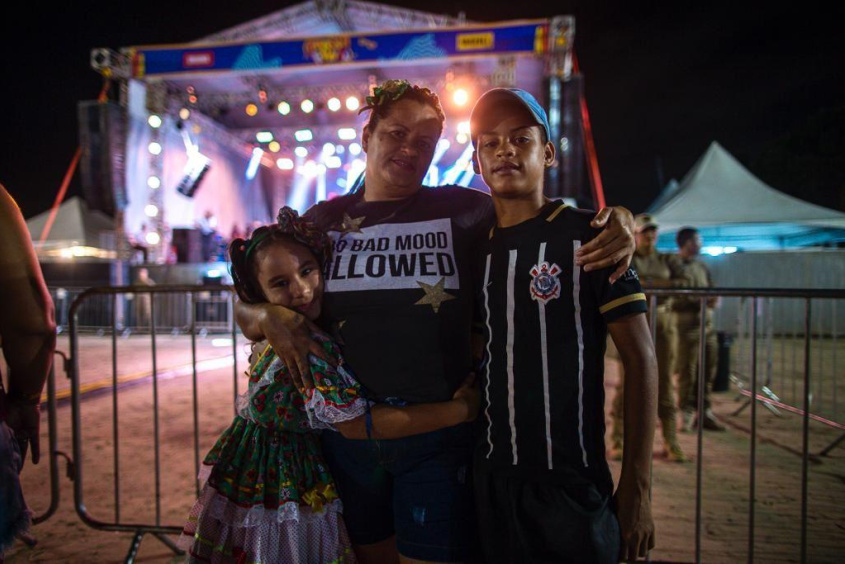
(243, 90)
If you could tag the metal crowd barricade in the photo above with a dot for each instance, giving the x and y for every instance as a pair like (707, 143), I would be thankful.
(781, 365)
(211, 309)
(762, 394)
(52, 451)
(131, 311)
(171, 303)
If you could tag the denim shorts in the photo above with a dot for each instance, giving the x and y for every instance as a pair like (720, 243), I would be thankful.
(15, 517)
(416, 488)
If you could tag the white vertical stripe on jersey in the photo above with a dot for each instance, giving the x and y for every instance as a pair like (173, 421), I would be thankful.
(489, 358)
(576, 295)
(510, 308)
(541, 306)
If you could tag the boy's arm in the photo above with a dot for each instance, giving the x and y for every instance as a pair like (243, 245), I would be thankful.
(391, 422)
(615, 245)
(289, 333)
(632, 338)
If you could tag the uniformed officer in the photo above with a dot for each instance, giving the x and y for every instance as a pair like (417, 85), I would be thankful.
(654, 271)
(688, 317)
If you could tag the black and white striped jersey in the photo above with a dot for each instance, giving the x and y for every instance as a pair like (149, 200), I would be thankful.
(546, 323)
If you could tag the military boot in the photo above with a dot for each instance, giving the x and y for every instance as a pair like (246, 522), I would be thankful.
(674, 453)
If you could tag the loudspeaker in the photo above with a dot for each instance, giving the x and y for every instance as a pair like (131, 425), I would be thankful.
(102, 137)
(188, 243)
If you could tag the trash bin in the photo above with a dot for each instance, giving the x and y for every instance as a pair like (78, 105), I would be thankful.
(723, 370)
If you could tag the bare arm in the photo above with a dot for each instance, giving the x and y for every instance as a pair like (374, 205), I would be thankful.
(389, 422)
(27, 325)
(615, 245)
(633, 340)
(289, 333)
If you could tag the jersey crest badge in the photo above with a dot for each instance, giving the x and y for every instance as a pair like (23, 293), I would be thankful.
(545, 284)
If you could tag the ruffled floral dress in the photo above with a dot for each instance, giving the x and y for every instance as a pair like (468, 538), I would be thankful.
(269, 496)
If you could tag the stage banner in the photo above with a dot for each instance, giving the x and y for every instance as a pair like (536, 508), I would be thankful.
(526, 37)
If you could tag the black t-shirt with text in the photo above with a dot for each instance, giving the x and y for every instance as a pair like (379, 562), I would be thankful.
(399, 288)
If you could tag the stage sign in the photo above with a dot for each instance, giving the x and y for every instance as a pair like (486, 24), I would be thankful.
(528, 37)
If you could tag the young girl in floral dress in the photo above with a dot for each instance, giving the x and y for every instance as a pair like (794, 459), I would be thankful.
(269, 496)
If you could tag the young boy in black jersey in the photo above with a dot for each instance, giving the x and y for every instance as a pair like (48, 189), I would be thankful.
(544, 492)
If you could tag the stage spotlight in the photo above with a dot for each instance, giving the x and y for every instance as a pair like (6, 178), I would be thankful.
(352, 103)
(192, 99)
(264, 136)
(333, 162)
(460, 97)
(444, 145)
(251, 110)
(151, 210)
(283, 108)
(154, 182)
(153, 238)
(303, 135)
(301, 152)
(307, 106)
(274, 147)
(154, 148)
(154, 121)
(190, 90)
(184, 114)
(254, 163)
(285, 164)
(462, 138)
(347, 133)
(354, 149)
(309, 169)
(333, 104)
(463, 127)
(339, 149)
(328, 149)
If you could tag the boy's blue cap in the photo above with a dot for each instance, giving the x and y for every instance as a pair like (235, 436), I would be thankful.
(498, 94)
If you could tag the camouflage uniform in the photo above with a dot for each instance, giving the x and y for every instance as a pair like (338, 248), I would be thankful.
(651, 267)
(688, 317)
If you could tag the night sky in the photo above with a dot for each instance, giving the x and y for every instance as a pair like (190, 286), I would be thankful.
(662, 81)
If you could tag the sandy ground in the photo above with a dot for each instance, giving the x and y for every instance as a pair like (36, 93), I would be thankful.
(726, 471)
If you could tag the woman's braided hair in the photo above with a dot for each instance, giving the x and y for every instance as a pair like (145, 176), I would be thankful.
(289, 227)
(391, 91)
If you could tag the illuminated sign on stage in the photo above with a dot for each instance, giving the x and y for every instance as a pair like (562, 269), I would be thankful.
(516, 38)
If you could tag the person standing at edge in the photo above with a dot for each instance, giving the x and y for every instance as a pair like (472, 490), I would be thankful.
(543, 486)
(688, 317)
(28, 339)
(399, 297)
(654, 270)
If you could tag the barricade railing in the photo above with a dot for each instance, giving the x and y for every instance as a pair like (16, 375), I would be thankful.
(52, 451)
(747, 375)
(132, 311)
(158, 301)
(759, 387)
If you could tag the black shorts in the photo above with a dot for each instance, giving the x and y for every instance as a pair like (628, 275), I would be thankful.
(526, 521)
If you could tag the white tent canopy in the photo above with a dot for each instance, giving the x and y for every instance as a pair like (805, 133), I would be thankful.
(75, 226)
(730, 206)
